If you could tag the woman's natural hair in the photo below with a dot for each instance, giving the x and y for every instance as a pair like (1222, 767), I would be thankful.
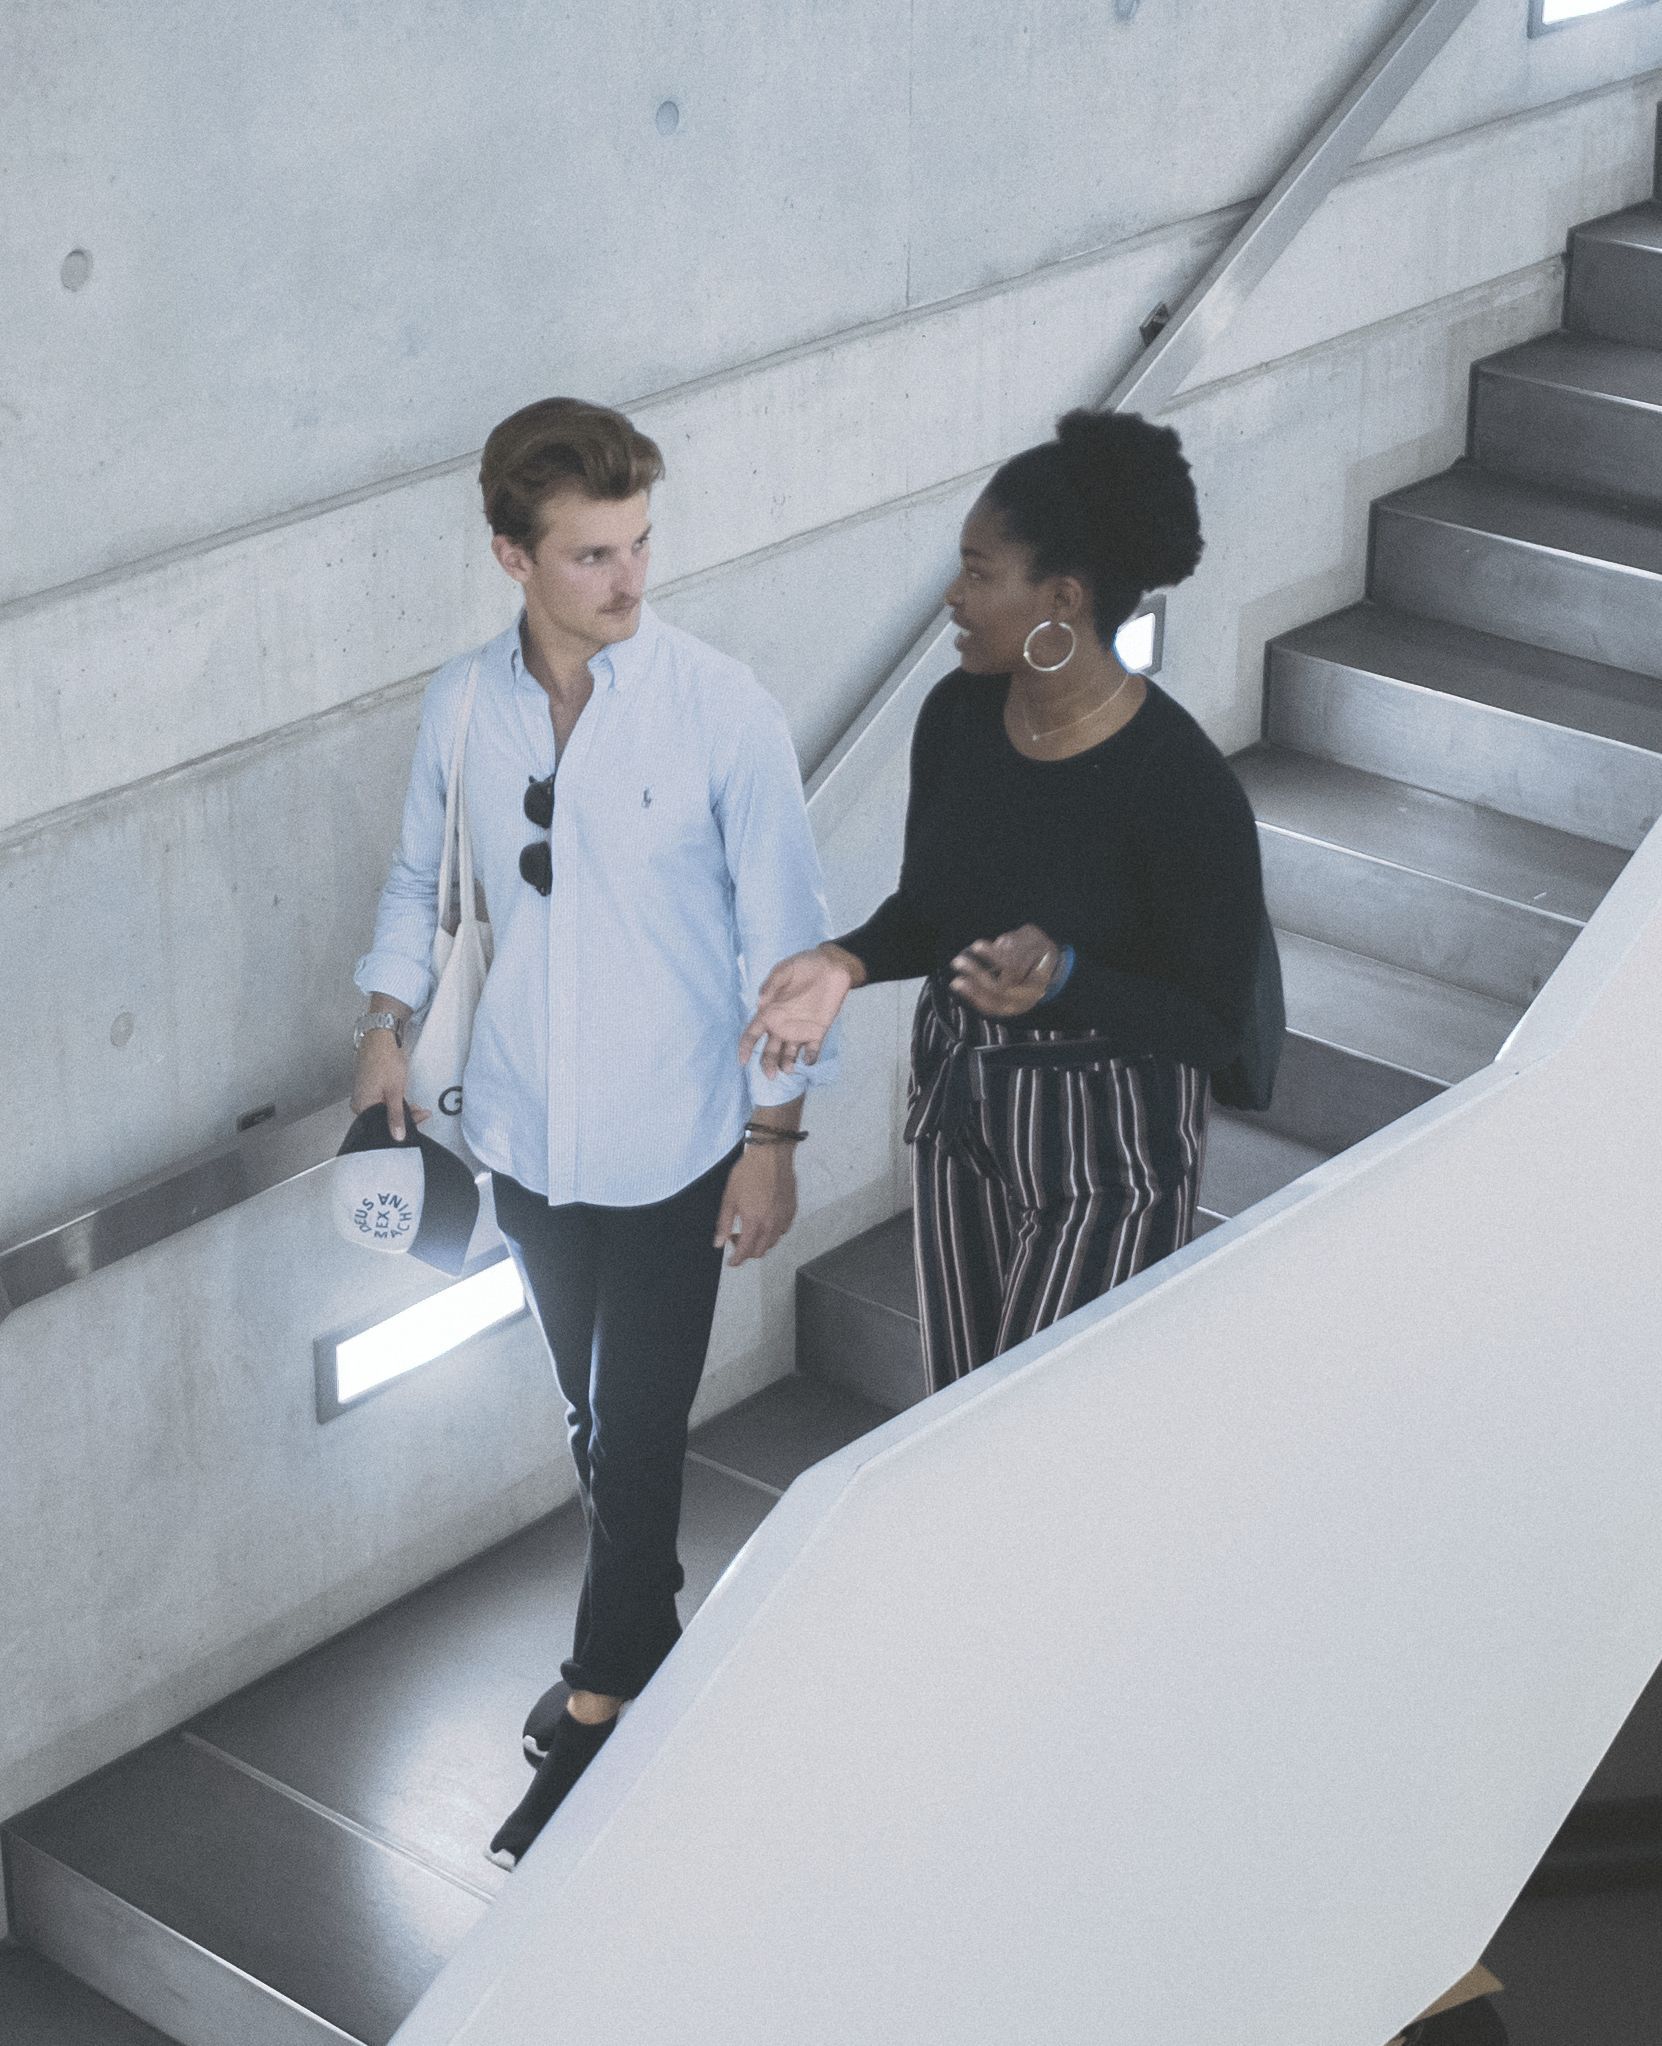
(1109, 500)
(560, 444)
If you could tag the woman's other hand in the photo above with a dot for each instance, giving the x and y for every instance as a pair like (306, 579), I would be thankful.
(796, 1005)
(1007, 976)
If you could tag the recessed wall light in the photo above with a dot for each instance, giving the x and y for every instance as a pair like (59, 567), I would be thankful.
(350, 1367)
(1140, 643)
(1545, 15)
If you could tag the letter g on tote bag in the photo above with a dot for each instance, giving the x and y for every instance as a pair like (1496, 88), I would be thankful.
(461, 959)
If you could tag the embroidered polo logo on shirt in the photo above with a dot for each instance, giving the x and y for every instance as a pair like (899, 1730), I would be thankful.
(646, 799)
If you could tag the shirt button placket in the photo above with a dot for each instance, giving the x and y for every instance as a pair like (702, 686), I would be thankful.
(564, 918)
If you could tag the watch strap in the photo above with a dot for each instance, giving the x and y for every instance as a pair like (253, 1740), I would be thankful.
(377, 1019)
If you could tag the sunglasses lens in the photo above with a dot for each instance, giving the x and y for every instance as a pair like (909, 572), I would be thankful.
(536, 865)
(539, 802)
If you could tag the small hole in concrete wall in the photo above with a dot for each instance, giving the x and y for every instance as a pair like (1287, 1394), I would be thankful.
(669, 118)
(121, 1030)
(76, 269)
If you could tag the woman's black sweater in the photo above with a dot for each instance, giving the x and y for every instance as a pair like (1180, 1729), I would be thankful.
(1140, 852)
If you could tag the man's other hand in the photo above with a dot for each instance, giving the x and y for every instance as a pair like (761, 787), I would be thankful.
(760, 1196)
(380, 1073)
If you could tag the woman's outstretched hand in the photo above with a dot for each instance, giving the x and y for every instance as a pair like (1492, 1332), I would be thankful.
(795, 1007)
(1006, 976)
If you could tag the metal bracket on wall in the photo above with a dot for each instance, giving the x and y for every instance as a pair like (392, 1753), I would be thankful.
(1156, 324)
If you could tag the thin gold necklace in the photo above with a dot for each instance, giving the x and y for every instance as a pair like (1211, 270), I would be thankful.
(1051, 730)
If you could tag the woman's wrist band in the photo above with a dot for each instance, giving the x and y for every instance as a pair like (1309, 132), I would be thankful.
(1059, 979)
(770, 1133)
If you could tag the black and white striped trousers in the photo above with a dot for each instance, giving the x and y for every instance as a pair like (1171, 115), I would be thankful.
(1043, 1172)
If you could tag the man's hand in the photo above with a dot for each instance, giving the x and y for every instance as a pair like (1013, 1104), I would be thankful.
(760, 1196)
(1006, 976)
(381, 1073)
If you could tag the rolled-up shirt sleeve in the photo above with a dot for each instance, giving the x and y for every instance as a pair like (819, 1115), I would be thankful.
(778, 888)
(399, 959)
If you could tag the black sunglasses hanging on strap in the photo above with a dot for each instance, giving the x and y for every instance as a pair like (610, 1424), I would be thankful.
(536, 861)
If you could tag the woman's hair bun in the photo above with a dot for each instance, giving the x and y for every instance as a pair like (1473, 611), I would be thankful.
(1136, 492)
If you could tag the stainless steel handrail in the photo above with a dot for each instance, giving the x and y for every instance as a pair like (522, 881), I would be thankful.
(1155, 377)
(161, 1206)
(150, 1210)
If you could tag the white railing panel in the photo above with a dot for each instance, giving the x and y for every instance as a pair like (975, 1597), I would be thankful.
(1217, 1665)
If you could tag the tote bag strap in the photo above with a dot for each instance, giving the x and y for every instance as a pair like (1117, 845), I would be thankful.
(467, 903)
(453, 809)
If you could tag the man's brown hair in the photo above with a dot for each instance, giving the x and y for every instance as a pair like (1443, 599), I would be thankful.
(560, 444)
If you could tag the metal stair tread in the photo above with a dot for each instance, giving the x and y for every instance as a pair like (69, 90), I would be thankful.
(1444, 837)
(787, 1427)
(193, 1830)
(44, 2005)
(1585, 364)
(1246, 1162)
(1388, 1013)
(1634, 227)
(1469, 498)
(1507, 675)
(875, 1266)
(332, 1921)
(447, 1672)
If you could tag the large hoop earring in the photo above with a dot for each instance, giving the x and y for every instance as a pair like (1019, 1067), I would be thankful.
(1047, 625)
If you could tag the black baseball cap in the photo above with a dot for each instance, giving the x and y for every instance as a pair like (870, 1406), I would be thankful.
(413, 1197)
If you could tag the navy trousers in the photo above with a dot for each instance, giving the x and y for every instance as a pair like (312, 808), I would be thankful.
(625, 1298)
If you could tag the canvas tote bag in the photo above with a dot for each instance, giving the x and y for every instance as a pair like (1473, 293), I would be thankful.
(461, 959)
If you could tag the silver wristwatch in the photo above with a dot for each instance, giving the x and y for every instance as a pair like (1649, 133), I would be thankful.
(377, 1019)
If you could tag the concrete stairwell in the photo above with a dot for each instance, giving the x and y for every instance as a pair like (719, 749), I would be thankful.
(1451, 774)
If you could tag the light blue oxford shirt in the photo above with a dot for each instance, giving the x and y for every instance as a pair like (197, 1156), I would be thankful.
(604, 1065)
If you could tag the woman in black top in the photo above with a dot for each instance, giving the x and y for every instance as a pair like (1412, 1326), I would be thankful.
(1080, 884)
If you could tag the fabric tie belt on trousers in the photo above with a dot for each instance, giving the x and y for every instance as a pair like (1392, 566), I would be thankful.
(948, 1107)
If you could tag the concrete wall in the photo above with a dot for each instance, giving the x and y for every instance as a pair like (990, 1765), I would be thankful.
(248, 703)
(241, 529)
(240, 515)
(332, 243)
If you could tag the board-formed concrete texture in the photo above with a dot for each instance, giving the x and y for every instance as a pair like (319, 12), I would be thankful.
(221, 907)
(207, 649)
(354, 241)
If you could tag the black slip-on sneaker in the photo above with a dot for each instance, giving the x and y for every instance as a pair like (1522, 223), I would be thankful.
(572, 1746)
(542, 1719)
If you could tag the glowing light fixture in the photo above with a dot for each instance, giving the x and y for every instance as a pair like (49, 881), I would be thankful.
(1141, 640)
(353, 1366)
(1551, 14)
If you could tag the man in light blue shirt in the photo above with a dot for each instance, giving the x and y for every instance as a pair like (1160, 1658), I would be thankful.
(639, 835)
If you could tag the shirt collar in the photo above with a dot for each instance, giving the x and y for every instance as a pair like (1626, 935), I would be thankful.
(615, 666)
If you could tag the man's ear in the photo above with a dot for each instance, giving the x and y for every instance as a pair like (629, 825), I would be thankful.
(514, 559)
